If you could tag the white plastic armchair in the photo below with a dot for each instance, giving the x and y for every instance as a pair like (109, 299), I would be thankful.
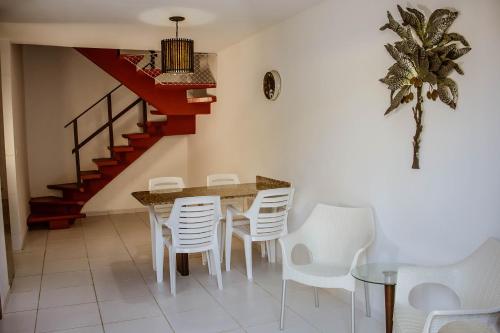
(336, 238)
(476, 282)
(160, 211)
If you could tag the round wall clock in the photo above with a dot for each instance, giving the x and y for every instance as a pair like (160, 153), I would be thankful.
(272, 85)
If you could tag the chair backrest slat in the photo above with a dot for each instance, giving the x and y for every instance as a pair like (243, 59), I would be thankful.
(165, 183)
(194, 221)
(272, 219)
(277, 228)
(222, 179)
(269, 212)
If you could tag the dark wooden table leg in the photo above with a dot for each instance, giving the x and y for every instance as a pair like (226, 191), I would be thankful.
(182, 264)
(389, 307)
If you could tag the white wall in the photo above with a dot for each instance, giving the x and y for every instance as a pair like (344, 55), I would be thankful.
(4, 276)
(60, 84)
(327, 133)
(15, 139)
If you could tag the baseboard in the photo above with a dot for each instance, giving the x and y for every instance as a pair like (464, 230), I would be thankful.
(95, 213)
(117, 211)
(4, 301)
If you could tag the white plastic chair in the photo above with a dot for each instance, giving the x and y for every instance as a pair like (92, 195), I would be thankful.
(268, 222)
(336, 238)
(476, 282)
(193, 222)
(218, 180)
(163, 211)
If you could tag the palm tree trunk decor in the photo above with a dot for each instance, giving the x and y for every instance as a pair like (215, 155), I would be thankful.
(422, 63)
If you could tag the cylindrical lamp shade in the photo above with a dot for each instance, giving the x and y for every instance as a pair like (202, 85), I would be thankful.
(177, 55)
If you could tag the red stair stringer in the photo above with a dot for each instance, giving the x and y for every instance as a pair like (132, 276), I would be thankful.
(167, 99)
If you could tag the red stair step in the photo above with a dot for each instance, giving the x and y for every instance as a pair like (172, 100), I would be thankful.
(152, 72)
(53, 200)
(105, 161)
(55, 221)
(135, 59)
(55, 205)
(204, 99)
(121, 149)
(35, 218)
(66, 187)
(156, 112)
(136, 136)
(153, 123)
(91, 174)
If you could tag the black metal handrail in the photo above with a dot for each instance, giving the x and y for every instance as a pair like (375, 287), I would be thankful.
(92, 106)
(108, 125)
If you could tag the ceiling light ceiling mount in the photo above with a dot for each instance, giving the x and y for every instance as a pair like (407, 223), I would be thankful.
(177, 54)
(176, 18)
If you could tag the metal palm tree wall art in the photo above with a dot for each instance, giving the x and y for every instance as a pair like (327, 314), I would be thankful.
(425, 57)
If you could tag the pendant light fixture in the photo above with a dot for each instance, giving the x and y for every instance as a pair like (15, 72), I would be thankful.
(177, 54)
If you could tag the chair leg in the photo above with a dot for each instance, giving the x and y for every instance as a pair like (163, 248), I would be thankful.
(209, 262)
(353, 311)
(153, 241)
(268, 249)
(272, 249)
(159, 253)
(172, 268)
(248, 256)
(283, 300)
(263, 249)
(316, 297)
(367, 300)
(229, 236)
(216, 264)
(203, 258)
(222, 228)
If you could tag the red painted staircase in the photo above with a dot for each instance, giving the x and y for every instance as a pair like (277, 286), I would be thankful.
(172, 100)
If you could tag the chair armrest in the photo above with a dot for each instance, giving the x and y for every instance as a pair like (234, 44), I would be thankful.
(234, 210)
(357, 257)
(157, 219)
(287, 243)
(412, 276)
(437, 319)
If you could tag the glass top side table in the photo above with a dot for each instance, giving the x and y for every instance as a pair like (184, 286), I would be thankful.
(383, 274)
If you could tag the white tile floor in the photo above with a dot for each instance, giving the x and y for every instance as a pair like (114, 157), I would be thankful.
(97, 277)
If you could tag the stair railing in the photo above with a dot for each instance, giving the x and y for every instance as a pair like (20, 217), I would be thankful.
(109, 125)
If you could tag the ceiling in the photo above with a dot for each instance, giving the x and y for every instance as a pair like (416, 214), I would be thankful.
(219, 22)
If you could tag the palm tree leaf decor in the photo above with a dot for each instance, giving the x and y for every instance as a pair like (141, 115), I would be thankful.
(425, 56)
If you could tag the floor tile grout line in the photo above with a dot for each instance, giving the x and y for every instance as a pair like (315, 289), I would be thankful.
(220, 304)
(223, 309)
(275, 298)
(92, 279)
(72, 328)
(60, 306)
(140, 273)
(41, 279)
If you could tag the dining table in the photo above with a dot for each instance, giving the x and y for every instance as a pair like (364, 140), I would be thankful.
(234, 191)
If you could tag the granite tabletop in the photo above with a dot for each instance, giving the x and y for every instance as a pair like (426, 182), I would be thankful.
(148, 198)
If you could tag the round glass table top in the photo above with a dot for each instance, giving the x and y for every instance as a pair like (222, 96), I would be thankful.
(378, 273)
